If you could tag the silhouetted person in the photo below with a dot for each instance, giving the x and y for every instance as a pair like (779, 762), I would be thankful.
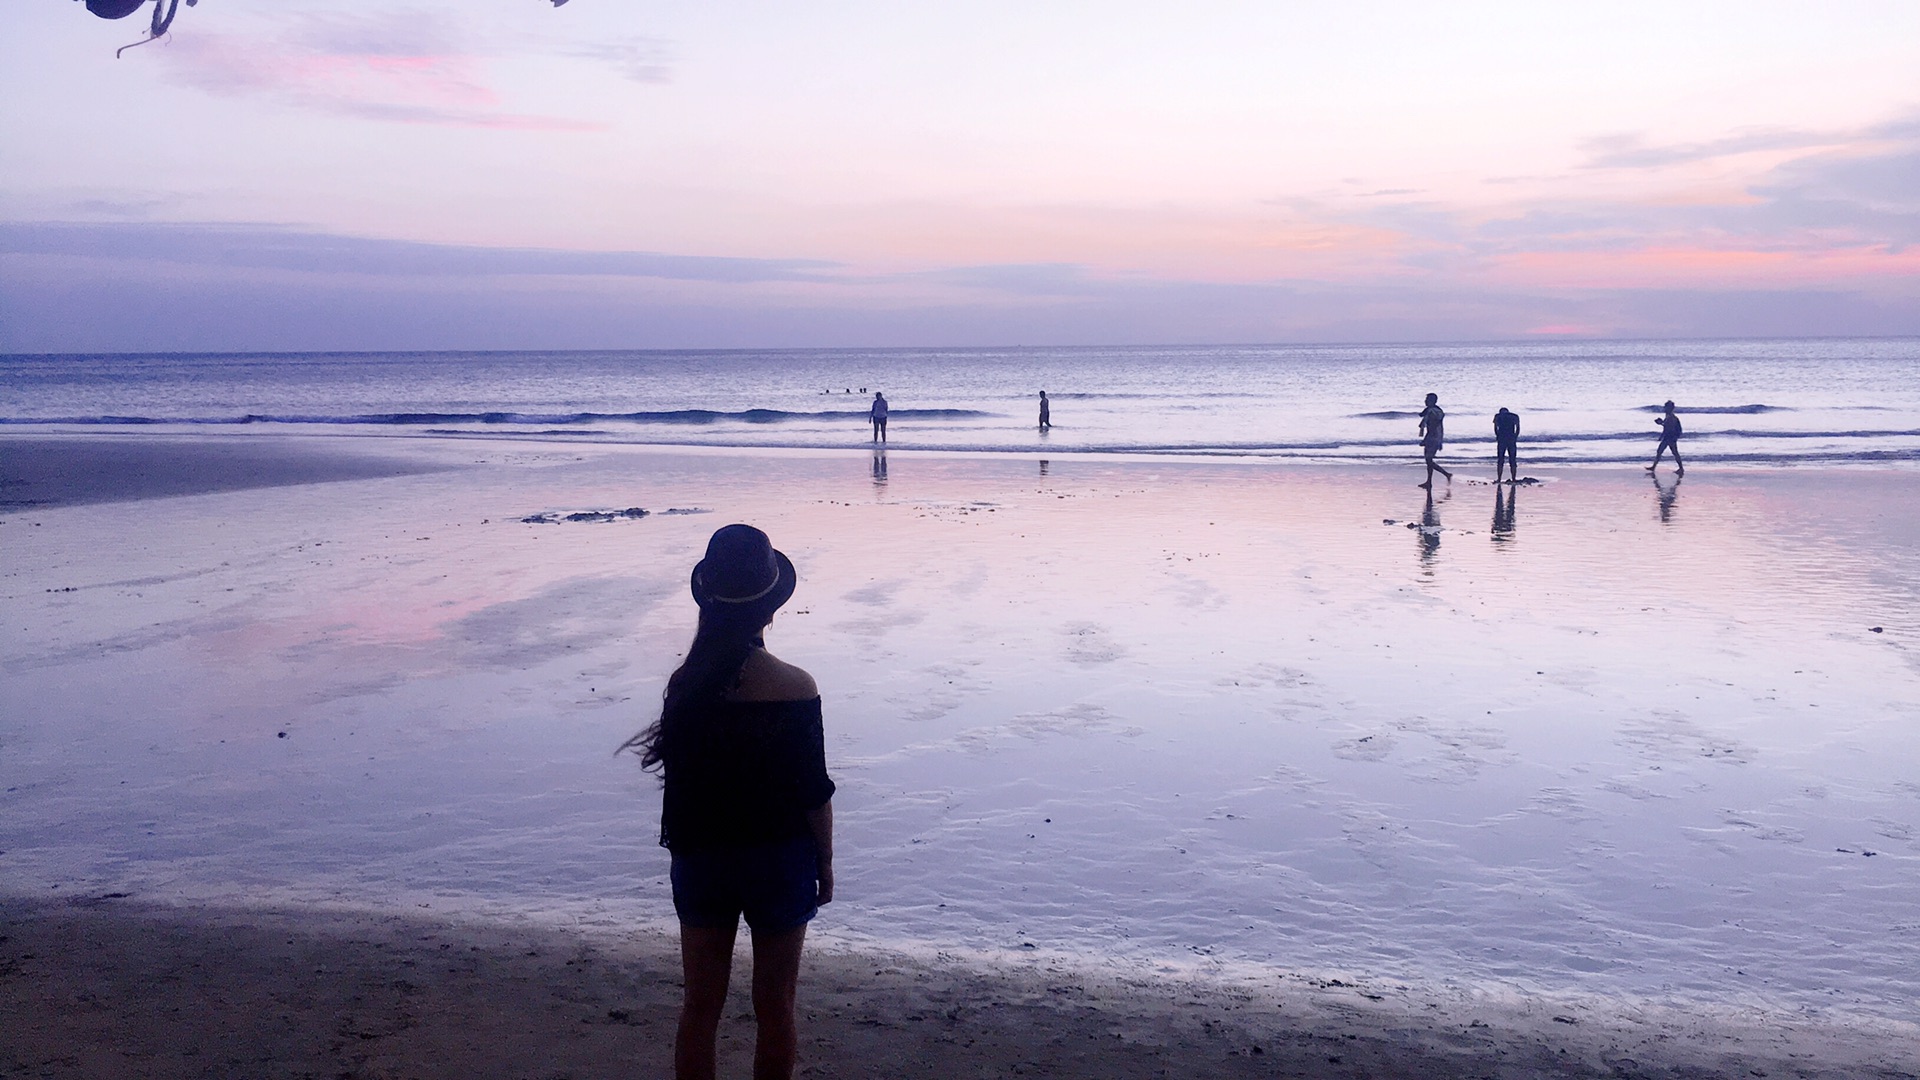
(1669, 440)
(1046, 412)
(1433, 421)
(1505, 501)
(1506, 444)
(747, 810)
(878, 414)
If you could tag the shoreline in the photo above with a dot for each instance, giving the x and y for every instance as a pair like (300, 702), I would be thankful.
(45, 470)
(256, 458)
(112, 987)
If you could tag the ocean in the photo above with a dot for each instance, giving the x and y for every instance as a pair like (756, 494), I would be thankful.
(1750, 402)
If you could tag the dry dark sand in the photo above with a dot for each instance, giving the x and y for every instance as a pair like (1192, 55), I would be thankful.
(109, 988)
(41, 472)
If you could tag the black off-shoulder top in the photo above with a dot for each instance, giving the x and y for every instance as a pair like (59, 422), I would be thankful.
(744, 772)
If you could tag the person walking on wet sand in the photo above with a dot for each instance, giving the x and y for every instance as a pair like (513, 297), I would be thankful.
(1669, 440)
(878, 414)
(1506, 444)
(1432, 435)
(747, 810)
(1046, 412)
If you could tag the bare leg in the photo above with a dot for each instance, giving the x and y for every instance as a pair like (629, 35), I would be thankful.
(1679, 467)
(706, 963)
(776, 975)
(1657, 451)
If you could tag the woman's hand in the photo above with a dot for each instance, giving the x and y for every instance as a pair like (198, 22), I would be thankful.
(820, 823)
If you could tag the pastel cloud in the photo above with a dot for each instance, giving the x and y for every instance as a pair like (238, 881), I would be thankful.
(251, 287)
(1848, 210)
(264, 247)
(639, 59)
(394, 66)
(1634, 151)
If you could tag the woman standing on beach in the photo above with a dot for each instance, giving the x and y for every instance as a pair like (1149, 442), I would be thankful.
(746, 811)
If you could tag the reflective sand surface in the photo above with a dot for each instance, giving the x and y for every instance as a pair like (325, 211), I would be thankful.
(1597, 735)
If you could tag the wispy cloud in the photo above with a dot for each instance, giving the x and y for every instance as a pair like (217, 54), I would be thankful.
(234, 246)
(1843, 207)
(253, 287)
(641, 59)
(1633, 151)
(393, 66)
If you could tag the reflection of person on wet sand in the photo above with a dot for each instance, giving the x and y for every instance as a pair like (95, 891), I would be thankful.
(1506, 444)
(879, 465)
(1669, 440)
(1432, 436)
(1505, 500)
(878, 414)
(1046, 412)
(1430, 529)
(1667, 494)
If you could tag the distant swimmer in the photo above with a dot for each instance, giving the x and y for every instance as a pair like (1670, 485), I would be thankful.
(1669, 440)
(878, 414)
(1506, 444)
(1433, 421)
(1046, 412)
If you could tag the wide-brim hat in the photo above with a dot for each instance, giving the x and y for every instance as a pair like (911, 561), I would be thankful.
(742, 572)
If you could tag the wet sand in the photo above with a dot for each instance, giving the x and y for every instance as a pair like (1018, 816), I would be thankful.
(1143, 765)
(105, 989)
(43, 472)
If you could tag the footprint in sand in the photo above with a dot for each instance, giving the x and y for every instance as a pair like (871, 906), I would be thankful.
(1264, 675)
(1461, 750)
(879, 597)
(1372, 747)
(1077, 720)
(942, 689)
(1090, 643)
(873, 594)
(1667, 735)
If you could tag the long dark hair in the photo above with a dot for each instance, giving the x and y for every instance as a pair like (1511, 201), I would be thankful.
(712, 667)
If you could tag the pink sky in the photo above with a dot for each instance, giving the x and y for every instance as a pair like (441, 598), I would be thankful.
(873, 173)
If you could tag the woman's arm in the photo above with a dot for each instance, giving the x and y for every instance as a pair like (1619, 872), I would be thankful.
(820, 823)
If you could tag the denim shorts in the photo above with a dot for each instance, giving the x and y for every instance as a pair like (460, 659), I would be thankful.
(773, 885)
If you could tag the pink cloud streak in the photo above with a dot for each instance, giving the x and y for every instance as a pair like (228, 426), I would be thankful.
(424, 87)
